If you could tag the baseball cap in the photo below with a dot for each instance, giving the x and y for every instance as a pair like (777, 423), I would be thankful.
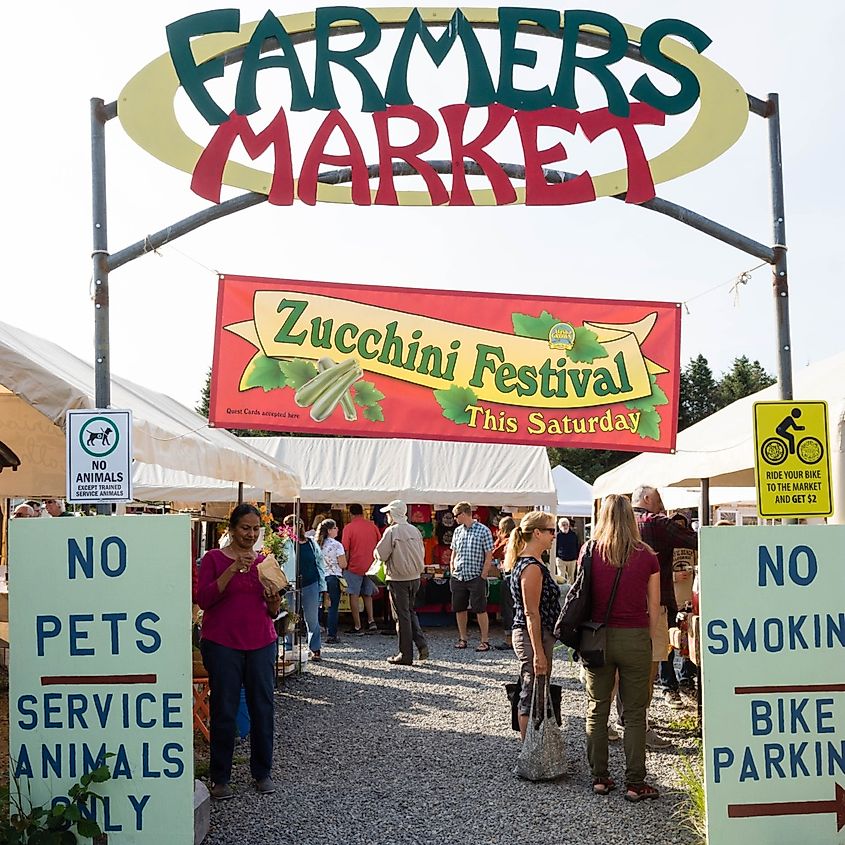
(395, 508)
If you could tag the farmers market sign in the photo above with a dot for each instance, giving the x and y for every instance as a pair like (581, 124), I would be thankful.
(363, 360)
(236, 75)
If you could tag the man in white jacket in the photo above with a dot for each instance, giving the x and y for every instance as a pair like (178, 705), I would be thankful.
(402, 551)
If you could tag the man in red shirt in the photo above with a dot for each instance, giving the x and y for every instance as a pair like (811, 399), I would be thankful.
(359, 539)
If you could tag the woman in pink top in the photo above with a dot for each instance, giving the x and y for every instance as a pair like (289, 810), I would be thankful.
(630, 626)
(238, 645)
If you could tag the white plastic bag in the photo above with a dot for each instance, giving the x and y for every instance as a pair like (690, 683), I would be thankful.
(542, 754)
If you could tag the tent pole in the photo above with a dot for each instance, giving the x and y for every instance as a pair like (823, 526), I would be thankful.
(704, 506)
(297, 503)
(240, 492)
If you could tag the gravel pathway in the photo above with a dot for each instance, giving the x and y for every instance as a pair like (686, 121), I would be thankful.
(373, 754)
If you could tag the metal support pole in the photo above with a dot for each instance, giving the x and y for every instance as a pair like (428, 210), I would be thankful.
(99, 259)
(780, 278)
(297, 506)
(99, 256)
(704, 507)
(240, 492)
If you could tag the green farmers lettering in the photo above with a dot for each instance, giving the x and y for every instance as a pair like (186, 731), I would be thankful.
(573, 68)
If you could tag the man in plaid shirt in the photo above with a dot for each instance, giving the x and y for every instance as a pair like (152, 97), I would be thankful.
(472, 559)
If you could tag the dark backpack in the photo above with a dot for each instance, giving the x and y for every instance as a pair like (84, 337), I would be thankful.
(577, 606)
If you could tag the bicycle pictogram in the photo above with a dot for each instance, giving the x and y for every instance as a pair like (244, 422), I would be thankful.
(775, 450)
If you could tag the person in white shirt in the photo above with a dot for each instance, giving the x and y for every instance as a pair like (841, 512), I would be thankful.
(334, 557)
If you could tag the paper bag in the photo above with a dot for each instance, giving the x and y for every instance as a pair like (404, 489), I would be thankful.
(271, 574)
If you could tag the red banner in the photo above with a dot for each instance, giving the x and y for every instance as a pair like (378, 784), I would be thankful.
(363, 360)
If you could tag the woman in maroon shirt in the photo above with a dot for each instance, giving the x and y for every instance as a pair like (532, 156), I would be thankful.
(630, 626)
(238, 645)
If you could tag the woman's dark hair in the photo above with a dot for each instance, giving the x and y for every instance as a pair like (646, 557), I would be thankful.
(240, 512)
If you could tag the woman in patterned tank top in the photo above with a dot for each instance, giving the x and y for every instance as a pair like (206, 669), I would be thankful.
(535, 603)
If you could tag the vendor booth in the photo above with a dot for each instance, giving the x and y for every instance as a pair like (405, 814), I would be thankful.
(430, 476)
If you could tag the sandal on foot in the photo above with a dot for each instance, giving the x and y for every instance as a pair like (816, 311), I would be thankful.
(461, 644)
(640, 792)
(603, 786)
(483, 647)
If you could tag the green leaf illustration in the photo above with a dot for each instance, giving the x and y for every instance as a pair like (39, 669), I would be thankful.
(648, 403)
(263, 372)
(454, 402)
(537, 327)
(374, 413)
(297, 372)
(366, 395)
(649, 418)
(587, 347)
(649, 425)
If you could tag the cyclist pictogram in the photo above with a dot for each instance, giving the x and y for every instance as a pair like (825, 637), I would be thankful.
(792, 458)
(775, 450)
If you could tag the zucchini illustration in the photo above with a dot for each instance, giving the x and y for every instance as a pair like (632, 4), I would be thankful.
(350, 413)
(331, 396)
(311, 390)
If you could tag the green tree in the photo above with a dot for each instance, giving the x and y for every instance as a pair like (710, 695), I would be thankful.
(744, 378)
(699, 393)
(205, 396)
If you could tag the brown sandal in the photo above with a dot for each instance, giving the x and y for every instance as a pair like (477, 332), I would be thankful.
(483, 647)
(603, 786)
(640, 792)
(461, 644)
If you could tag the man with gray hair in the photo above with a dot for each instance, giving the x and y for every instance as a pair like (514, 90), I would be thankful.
(402, 551)
(664, 535)
(566, 550)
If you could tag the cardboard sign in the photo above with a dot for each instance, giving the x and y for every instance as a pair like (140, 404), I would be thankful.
(101, 663)
(99, 456)
(773, 651)
(395, 362)
(792, 459)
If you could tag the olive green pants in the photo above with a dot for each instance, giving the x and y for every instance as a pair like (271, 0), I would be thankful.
(628, 652)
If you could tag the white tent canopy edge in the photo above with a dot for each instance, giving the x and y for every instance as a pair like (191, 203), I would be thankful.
(42, 382)
(721, 446)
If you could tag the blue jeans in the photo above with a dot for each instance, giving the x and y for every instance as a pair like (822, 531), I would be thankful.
(311, 614)
(228, 670)
(333, 586)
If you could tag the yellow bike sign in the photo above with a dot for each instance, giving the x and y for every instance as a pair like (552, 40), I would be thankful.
(792, 459)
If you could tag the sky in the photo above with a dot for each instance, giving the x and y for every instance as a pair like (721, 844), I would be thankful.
(163, 305)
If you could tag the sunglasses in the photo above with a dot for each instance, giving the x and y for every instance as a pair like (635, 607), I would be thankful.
(550, 530)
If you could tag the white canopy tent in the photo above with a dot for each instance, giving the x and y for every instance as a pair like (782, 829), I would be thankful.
(721, 447)
(574, 495)
(40, 381)
(372, 471)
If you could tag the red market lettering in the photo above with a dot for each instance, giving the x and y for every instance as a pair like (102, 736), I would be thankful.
(207, 177)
